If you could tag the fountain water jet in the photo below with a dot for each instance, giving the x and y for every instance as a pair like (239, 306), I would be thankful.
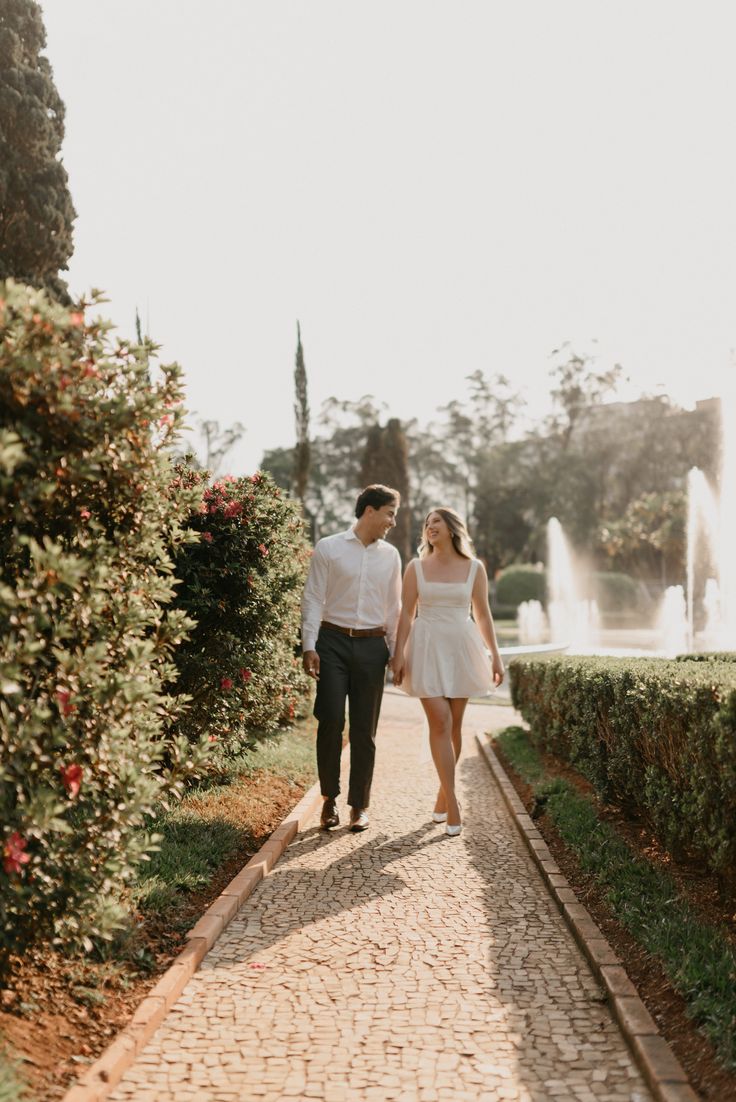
(712, 521)
(572, 618)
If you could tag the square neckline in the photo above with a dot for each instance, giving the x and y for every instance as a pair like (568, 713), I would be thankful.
(428, 582)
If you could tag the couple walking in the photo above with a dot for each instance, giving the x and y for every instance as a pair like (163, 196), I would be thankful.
(357, 618)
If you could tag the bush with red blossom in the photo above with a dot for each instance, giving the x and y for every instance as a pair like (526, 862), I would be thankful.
(242, 584)
(88, 531)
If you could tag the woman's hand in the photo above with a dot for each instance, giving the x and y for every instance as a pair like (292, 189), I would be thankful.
(397, 670)
(498, 669)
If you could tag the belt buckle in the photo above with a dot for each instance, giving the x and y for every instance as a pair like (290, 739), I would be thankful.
(350, 632)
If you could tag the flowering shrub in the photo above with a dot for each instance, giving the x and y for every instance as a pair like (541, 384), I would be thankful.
(242, 583)
(87, 631)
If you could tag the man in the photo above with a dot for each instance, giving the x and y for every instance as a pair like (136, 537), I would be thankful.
(350, 611)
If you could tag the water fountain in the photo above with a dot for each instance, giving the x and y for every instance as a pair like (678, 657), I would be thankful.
(573, 618)
(532, 621)
(711, 546)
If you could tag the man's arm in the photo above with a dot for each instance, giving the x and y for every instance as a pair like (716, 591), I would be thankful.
(313, 599)
(393, 605)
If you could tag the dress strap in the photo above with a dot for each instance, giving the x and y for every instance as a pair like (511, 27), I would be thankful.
(471, 573)
(420, 575)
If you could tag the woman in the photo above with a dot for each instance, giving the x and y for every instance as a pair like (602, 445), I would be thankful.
(439, 656)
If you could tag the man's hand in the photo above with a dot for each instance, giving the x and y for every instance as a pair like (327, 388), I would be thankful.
(310, 661)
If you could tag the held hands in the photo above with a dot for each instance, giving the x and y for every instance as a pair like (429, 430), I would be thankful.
(396, 665)
(498, 669)
(310, 661)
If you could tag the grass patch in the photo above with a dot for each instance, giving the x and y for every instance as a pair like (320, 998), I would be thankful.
(696, 957)
(216, 820)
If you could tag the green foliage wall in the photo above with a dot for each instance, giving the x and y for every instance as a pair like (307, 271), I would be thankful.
(88, 526)
(656, 736)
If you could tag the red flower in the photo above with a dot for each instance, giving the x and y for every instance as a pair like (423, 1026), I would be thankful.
(229, 478)
(246, 674)
(64, 698)
(212, 738)
(91, 371)
(166, 420)
(71, 776)
(207, 536)
(291, 711)
(85, 514)
(233, 509)
(226, 683)
(263, 549)
(76, 318)
(13, 856)
(256, 478)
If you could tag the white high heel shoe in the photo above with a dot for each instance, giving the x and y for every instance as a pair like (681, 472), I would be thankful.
(453, 829)
(439, 816)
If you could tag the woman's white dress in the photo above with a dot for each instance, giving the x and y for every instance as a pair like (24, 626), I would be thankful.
(445, 654)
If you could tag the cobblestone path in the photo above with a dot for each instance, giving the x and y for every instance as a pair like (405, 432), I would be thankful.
(395, 964)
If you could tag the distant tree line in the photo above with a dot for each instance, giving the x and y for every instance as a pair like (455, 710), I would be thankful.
(614, 473)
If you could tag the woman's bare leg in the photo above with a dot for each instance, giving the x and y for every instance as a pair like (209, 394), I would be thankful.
(457, 711)
(439, 717)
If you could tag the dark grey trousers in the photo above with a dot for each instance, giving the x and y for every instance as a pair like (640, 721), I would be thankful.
(352, 670)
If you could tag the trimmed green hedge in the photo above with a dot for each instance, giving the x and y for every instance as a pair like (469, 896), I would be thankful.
(518, 583)
(656, 735)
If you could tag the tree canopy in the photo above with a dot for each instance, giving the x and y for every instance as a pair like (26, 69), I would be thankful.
(36, 210)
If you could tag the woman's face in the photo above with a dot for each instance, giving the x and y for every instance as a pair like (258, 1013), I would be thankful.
(436, 529)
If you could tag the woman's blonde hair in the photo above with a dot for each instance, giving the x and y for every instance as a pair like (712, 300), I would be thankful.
(460, 539)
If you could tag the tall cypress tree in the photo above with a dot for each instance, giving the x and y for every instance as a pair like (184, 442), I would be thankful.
(36, 211)
(386, 460)
(302, 451)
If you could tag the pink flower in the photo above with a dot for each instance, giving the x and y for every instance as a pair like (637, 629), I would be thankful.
(263, 549)
(64, 698)
(212, 738)
(76, 318)
(233, 509)
(71, 776)
(256, 478)
(226, 683)
(207, 537)
(91, 371)
(166, 420)
(13, 856)
(229, 478)
(246, 674)
(85, 514)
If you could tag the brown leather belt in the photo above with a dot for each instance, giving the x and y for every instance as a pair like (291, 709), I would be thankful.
(355, 633)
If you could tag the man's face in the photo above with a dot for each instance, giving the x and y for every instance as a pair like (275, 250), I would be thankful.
(383, 519)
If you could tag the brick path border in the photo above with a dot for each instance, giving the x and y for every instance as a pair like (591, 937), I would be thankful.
(661, 1069)
(103, 1075)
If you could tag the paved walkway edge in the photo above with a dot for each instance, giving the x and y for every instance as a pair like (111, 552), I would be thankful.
(102, 1076)
(660, 1067)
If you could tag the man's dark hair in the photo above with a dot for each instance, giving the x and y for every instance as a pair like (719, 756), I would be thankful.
(377, 496)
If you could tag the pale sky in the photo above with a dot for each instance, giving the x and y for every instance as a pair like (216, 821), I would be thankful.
(430, 186)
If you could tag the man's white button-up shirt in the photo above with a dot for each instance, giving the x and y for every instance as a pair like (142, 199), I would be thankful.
(353, 586)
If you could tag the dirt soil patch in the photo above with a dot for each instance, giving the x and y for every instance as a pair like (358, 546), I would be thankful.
(703, 890)
(60, 1013)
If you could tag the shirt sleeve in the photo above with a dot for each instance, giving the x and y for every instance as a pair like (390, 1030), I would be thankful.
(393, 605)
(313, 600)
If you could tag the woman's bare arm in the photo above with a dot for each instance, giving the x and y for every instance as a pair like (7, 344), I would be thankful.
(484, 620)
(409, 596)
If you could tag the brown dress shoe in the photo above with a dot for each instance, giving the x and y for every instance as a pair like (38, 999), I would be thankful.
(329, 817)
(358, 819)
